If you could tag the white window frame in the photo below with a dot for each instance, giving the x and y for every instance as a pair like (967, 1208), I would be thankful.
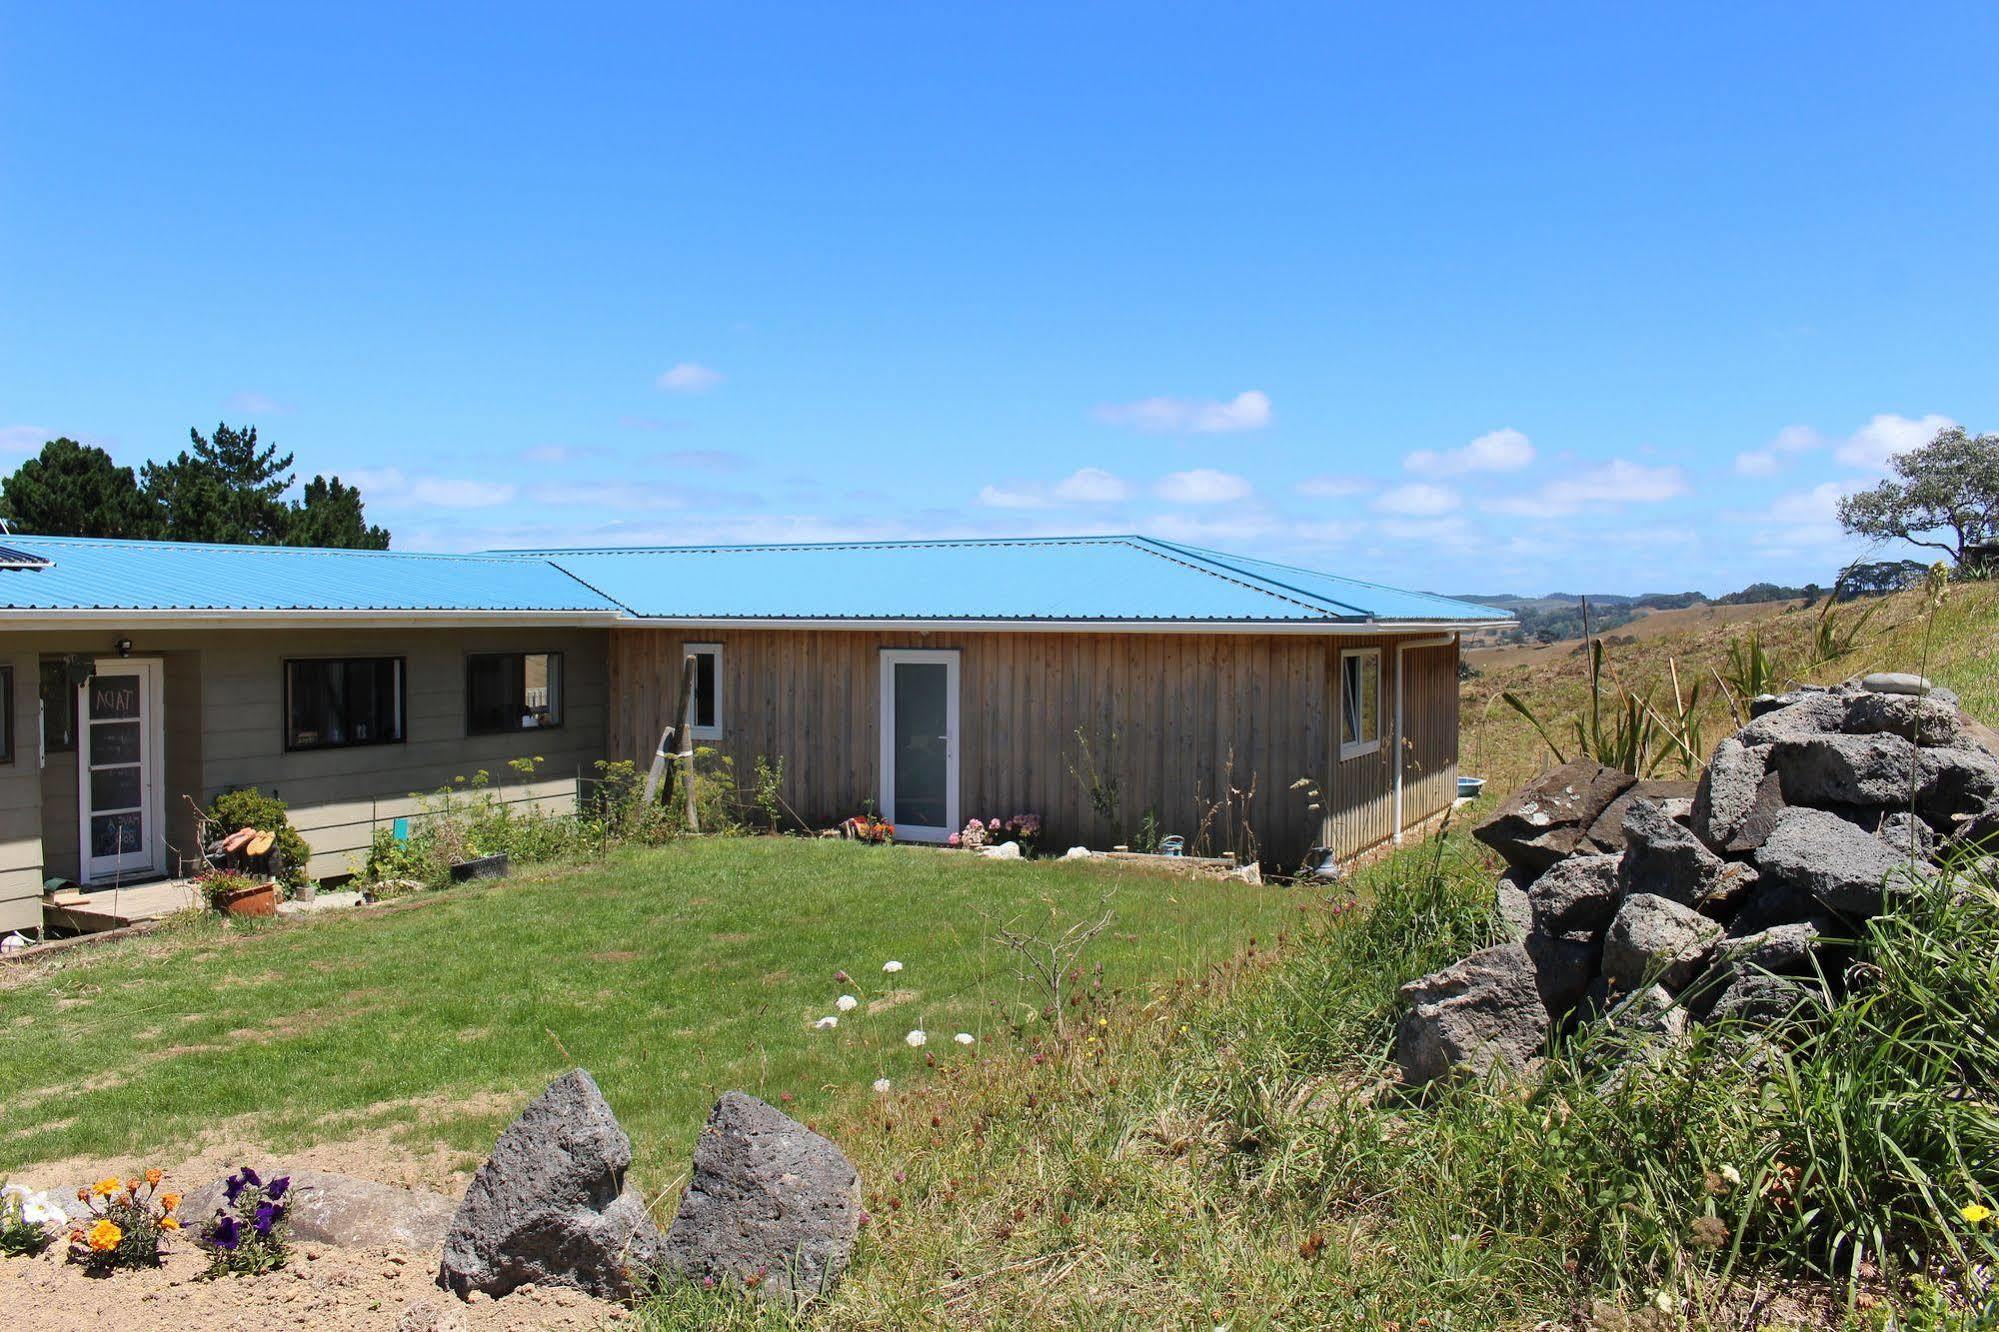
(1363, 747)
(715, 650)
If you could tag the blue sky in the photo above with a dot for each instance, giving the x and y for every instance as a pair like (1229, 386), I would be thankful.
(1480, 299)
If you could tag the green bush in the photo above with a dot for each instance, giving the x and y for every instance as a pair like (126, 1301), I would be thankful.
(247, 807)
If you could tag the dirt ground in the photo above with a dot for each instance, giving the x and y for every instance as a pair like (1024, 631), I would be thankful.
(325, 1287)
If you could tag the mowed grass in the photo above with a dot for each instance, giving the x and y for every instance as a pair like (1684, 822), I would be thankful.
(672, 974)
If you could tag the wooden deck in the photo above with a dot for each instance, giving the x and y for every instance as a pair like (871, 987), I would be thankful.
(92, 910)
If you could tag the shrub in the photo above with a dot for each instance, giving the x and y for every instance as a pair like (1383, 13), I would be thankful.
(247, 807)
(251, 1233)
(218, 886)
(125, 1223)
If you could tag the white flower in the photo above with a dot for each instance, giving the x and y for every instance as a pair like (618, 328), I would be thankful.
(963, 1038)
(891, 967)
(846, 1003)
(915, 1039)
(39, 1211)
(1731, 1174)
(827, 1022)
(881, 1085)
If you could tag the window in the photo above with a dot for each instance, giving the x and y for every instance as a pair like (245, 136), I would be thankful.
(1360, 702)
(339, 701)
(512, 691)
(707, 702)
(6, 714)
(58, 708)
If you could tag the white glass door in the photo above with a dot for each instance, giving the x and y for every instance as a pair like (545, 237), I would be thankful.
(919, 743)
(118, 771)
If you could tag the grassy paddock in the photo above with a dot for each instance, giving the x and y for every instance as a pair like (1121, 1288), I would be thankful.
(672, 974)
(1234, 1153)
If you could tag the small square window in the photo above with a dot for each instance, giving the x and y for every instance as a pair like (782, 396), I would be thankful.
(512, 691)
(338, 702)
(706, 705)
(1360, 702)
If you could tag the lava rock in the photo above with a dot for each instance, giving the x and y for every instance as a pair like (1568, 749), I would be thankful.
(1512, 907)
(1549, 817)
(1563, 969)
(1878, 769)
(1843, 867)
(1761, 999)
(772, 1205)
(1656, 940)
(551, 1206)
(1809, 714)
(1921, 721)
(1674, 797)
(1955, 781)
(1652, 1010)
(1907, 835)
(1728, 791)
(348, 1213)
(1476, 1014)
(1576, 898)
(1666, 860)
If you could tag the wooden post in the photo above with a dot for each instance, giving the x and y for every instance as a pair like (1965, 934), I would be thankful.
(660, 780)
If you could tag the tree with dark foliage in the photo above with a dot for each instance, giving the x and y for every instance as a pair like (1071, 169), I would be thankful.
(224, 489)
(72, 489)
(330, 515)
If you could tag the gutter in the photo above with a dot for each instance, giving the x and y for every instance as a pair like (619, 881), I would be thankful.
(45, 620)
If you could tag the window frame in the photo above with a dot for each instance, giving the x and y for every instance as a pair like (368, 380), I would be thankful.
(402, 703)
(1361, 747)
(559, 691)
(695, 730)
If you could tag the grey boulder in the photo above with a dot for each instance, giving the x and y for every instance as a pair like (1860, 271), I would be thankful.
(1923, 721)
(1654, 940)
(1895, 682)
(1878, 769)
(1728, 791)
(1513, 908)
(1674, 796)
(1808, 714)
(1842, 866)
(1762, 999)
(1549, 817)
(1474, 1015)
(772, 1206)
(1666, 860)
(552, 1207)
(1576, 898)
(348, 1213)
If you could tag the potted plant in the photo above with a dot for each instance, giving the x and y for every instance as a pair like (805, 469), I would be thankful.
(238, 894)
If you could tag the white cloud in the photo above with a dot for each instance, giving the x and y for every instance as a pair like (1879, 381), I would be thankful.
(24, 438)
(392, 485)
(1202, 485)
(1091, 485)
(998, 497)
(1618, 482)
(606, 495)
(257, 404)
(1249, 410)
(688, 377)
(1333, 487)
(1791, 440)
(1418, 499)
(1504, 450)
(1885, 435)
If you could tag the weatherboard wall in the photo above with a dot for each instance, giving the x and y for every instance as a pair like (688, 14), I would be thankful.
(1177, 719)
(20, 807)
(224, 728)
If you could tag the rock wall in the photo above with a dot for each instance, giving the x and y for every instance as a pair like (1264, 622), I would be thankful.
(1661, 904)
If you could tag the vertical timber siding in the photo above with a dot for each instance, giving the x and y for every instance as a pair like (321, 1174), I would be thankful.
(1175, 718)
(21, 805)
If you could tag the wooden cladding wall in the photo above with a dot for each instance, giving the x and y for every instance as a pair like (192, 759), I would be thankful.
(1173, 719)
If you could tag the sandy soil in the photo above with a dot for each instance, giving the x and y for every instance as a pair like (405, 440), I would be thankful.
(325, 1287)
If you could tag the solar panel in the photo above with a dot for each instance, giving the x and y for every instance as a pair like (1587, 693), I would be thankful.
(20, 559)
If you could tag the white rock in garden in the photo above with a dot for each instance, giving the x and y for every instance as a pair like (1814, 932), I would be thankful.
(1004, 851)
(1895, 682)
(347, 1213)
(1078, 853)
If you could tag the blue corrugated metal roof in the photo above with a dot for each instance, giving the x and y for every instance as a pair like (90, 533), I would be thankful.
(1109, 579)
(85, 574)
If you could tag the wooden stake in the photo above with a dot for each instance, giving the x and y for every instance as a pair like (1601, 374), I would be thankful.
(659, 781)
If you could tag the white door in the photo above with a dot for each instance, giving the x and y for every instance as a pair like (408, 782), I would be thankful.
(919, 743)
(118, 761)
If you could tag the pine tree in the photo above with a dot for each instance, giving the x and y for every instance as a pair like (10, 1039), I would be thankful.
(330, 515)
(72, 489)
(226, 489)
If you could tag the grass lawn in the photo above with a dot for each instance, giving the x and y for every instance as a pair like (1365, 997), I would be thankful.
(672, 974)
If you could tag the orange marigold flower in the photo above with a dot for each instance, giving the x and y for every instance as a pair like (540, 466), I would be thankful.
(169, 1223)
(107, 1186)
(104, 1235)
(155, 1175)
(169, 1201)
(132, 1185)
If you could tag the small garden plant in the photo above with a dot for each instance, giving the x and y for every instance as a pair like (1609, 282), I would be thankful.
(217, 887)
(125, 1223)
(251, 1233)
(248, 807)
(29, 1221)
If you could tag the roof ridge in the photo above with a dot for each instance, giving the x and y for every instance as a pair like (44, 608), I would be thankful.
(1221, 555)
(898, 543)
(1200, 559)
(241, 547)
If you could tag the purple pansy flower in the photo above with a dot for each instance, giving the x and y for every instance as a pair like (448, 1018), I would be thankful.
(250, 1178)
(232, 1188)
(268, 1215)
(277, 1187)
(225, 1234)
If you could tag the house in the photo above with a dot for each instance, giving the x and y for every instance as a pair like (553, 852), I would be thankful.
(1106, 683)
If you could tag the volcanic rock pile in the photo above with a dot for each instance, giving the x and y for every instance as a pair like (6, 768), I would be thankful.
(1657, 904)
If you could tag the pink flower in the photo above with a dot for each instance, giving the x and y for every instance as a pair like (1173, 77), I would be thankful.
(954, 840)
(994, 825)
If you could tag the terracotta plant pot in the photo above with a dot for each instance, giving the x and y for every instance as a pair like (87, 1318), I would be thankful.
(261, 900)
